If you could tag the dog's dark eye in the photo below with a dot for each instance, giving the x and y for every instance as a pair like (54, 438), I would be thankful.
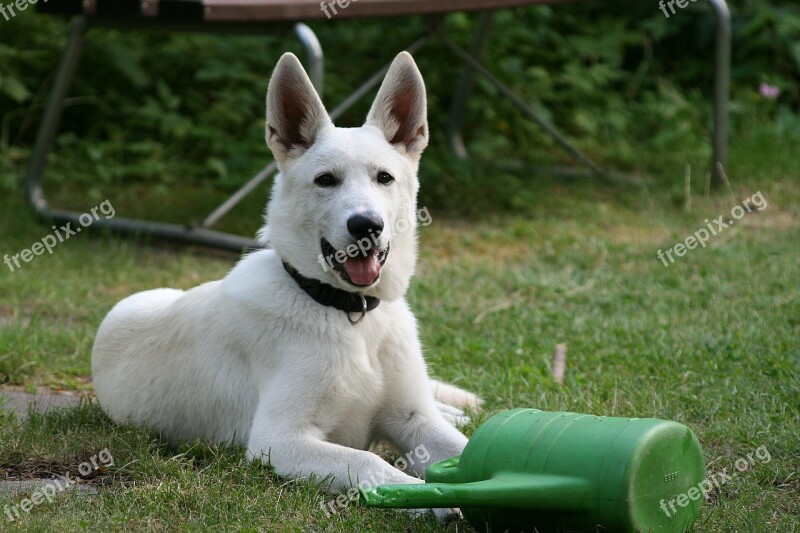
(384, 178)
(326, 180)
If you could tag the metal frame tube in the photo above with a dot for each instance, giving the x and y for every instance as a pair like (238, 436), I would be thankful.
(314, 54)
(163, 230)
(722, 78)
(67, 67)
(464, 87)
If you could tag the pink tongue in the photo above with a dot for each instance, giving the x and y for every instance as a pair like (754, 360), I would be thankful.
(363, 270)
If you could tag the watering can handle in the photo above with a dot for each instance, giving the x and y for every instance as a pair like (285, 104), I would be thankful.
(446, 471)
(506, 490)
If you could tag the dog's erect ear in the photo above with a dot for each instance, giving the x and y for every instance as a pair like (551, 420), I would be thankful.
(399, 110)
(295, 113)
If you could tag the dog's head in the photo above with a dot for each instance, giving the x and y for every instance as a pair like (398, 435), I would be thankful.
(343, 209)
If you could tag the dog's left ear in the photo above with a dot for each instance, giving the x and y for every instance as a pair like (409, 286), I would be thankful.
(399, 110)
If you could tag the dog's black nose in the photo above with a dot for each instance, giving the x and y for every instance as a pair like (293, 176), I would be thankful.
(365, 224)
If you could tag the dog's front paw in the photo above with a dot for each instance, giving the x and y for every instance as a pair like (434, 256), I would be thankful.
(447, 515)
(442, 515)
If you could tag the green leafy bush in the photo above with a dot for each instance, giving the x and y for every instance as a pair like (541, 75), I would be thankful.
(617, 77)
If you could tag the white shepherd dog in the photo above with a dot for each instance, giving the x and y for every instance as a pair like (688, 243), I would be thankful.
(306, 353)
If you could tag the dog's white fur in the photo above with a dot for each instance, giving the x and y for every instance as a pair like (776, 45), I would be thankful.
(252, 359)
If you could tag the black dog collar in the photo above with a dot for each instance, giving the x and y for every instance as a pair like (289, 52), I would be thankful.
(349, 302)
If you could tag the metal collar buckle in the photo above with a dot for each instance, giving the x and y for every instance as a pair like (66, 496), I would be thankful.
(363, 311)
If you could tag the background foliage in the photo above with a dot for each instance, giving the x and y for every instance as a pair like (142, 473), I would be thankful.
(151, 109)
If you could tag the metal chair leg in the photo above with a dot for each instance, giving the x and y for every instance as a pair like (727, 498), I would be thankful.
(464, 87)
(44, 142)
(52, 115)
(722, 78)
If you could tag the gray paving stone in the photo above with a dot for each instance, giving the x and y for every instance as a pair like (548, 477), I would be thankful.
(16, 400)
(29, 486)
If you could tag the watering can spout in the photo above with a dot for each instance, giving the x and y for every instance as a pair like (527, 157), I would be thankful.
(508, 490)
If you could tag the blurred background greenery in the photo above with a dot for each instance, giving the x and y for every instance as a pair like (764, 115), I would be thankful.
(629, 86)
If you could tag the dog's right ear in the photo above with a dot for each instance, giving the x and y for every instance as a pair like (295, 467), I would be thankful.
(295, 114)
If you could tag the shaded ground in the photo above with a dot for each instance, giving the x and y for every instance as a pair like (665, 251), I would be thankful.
(19, 401)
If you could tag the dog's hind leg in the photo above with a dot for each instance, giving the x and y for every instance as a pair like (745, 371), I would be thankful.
(455, 416)
(453, 397)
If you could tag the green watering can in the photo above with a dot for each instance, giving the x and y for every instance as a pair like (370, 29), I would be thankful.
(531, 470)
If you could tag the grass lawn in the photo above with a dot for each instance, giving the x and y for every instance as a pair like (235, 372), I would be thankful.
(710, 341)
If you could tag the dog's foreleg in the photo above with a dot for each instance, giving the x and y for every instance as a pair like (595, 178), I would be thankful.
(427, 438)
(311, 459)
(299, 453)
(414, 423)
(425, 435)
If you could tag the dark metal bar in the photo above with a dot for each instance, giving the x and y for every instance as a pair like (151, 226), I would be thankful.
(52, 115)
(464, 87)
(164, 230)
(722, 78)
(234, 199)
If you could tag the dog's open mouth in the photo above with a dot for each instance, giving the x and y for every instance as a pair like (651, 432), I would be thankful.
(358, 264)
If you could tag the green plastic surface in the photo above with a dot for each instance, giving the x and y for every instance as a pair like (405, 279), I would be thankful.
(526, 470)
